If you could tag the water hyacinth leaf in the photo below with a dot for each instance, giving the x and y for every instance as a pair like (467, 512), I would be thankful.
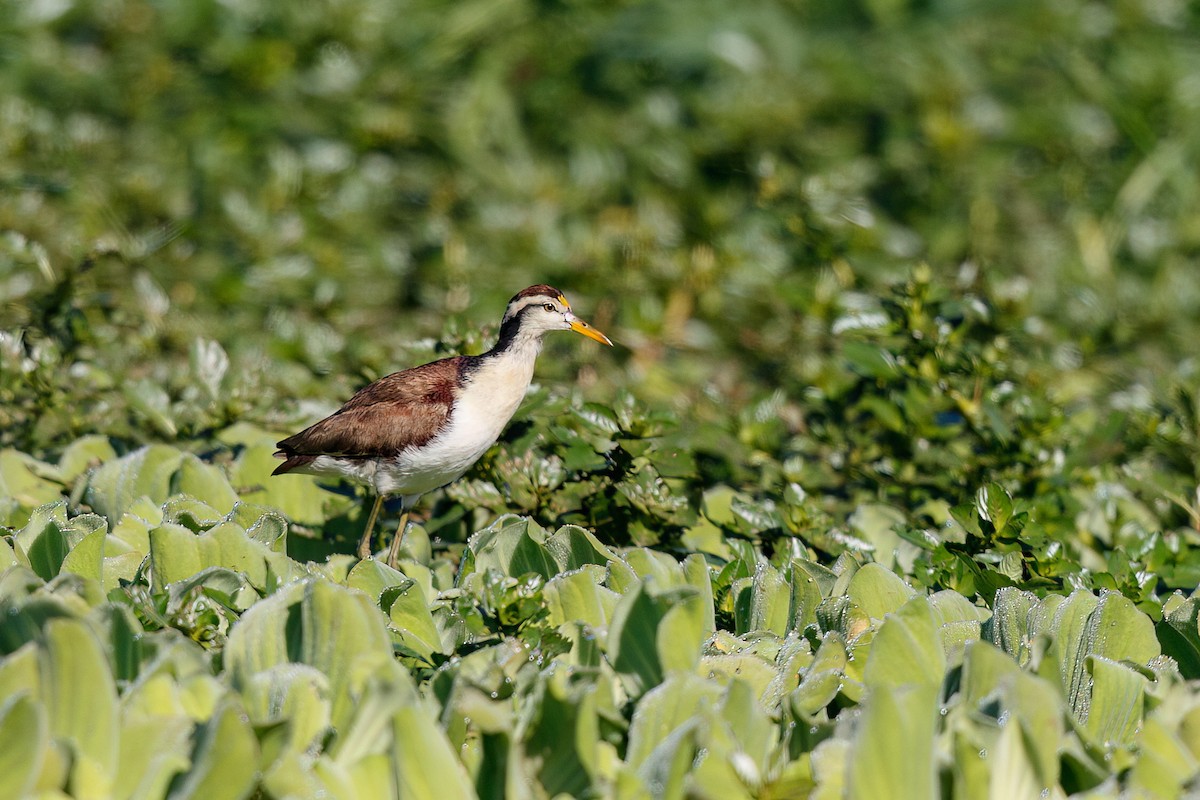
(25, 732)
(1179, 633)
(600, 417)
(666, 709)
(1115, 707)
(424, 766)
(153, 403)
(338, 631)
(225, 760)
(297, 497)
(295, 695)
(84, 453)
(514, 546)
(114, 486)
(204, 482)
(1165, 764)
(81, 698)
(868, 360)
(563, 743)
(24, 485)
(1008, 628)
(652, 633)
(154, 749)
(573, 547)
(177, 553)
(888, 765)
(992, 503)
(906, 649)
(878, 591)
(577, 596)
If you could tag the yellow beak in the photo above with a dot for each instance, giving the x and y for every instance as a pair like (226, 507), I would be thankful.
(579, 326)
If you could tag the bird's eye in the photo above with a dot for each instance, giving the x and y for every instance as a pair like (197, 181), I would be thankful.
(549, 307)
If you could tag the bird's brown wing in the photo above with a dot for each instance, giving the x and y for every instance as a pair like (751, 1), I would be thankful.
(402, 410)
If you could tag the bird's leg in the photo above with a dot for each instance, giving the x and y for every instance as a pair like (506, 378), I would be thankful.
(364, 544)
(393, 556)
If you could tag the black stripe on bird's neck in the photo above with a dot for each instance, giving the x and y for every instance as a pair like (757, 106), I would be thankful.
(509, 331)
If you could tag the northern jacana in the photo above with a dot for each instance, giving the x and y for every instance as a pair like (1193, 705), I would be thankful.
(420, 429)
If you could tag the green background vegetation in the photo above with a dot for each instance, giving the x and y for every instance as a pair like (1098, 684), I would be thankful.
(901, 431)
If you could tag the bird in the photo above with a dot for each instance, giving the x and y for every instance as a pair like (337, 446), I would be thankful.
(420, 429)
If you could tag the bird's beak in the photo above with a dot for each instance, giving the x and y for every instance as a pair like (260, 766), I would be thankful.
(579, 326)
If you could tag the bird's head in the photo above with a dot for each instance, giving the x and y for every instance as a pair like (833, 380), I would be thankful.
(539, 309)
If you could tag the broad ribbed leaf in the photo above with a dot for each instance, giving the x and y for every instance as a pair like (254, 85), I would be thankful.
(878, 591)
(81, 699)
(25, 733)
(225, 760)
(893, 752)
(146, 472)
(907, 649)
(424, 766)
(338, 631)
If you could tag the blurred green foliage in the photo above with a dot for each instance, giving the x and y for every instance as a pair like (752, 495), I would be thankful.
(906, 306)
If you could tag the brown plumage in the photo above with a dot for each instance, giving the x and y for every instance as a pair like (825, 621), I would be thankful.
(402, 410)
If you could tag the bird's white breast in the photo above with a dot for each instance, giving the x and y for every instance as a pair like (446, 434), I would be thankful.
(484, 405)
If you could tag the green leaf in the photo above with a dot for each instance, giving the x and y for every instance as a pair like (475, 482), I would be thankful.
(577, 596)
(113, 487)
(298, 497)
(992, 503)
(295, 696)
(177, 553)
(23, 485)
(663, 711)
(893, 752)
(205, 482)
(1114, 709)
(563, 742)
(878, 591)
(1165, 765)
(340, 632)
(869, 360)
(652, 633)
(424, 766)
(1179, 633)
(81, 699)
(514, 546)
(225, 760)
(906, 649)
(24, 730)
(82, 454)
(1009, 627)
